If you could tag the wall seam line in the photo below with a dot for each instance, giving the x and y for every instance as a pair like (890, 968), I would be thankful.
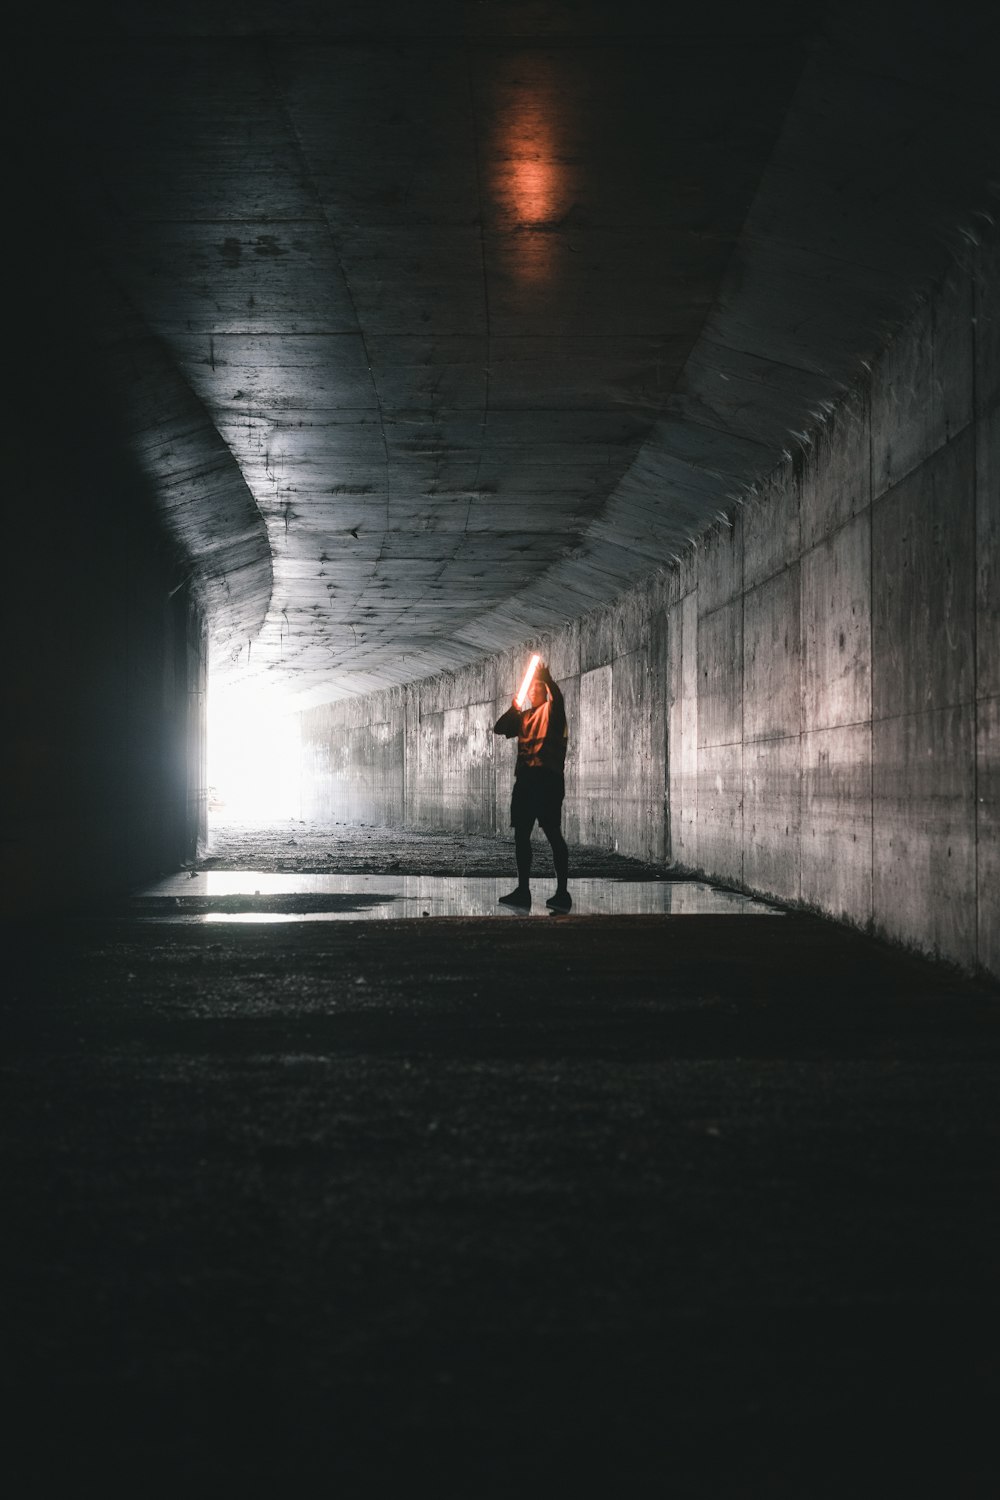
(871, 643)
(930, 708)
(800, 695)
(743, 702)
(975, 614)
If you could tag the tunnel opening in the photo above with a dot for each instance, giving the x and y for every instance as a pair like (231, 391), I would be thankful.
(253, 750)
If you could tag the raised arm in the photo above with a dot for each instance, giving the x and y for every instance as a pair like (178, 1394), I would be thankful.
(509, 724)
(545, 677)
(557, 705)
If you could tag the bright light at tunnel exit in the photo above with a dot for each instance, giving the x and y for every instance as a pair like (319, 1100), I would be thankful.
(253, 756)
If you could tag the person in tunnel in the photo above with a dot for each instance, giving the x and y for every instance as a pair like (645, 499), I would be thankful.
(539, 782)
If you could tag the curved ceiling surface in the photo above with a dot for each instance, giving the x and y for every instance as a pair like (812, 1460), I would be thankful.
(489, 309)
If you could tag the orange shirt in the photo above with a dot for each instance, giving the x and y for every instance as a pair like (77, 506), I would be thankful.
(542, 737)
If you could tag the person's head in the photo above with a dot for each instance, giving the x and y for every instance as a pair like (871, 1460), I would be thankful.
(536, 694)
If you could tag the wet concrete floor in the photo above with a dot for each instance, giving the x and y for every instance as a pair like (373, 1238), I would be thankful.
(256, 896)
(628, 1204)
(301, 847)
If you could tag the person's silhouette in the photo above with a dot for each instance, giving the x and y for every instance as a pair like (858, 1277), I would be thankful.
(539, 784)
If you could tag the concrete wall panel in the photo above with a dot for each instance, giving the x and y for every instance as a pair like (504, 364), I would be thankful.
(475, 684)
(378, 746)
(720, 811)
(353, 760)
(720, 675)
(924, 861)
(429, 811)
(836, 479)
(637, 764)
(923, 543)
(684, 577)
(467, 792)
(988, 555)
(988, 832)
(597, 640)
(564, 653)
(595, 768)
(506, 679)
(357, 775)
(987, 327)
(631, 618)
(954, 312)
(436, 694)
(720, 565)
(771, 538)
(905, 423)
(656, 662)
(836, 628)
(570, 687)
(504, 750)
(682, 730)
(836, 816)
(922, 388)
(771, 814)
(411, 748)
(772, 654)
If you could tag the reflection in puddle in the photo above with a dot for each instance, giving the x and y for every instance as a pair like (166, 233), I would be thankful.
(249, 896)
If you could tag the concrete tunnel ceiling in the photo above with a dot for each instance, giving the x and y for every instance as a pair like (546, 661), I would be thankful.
(484, 311)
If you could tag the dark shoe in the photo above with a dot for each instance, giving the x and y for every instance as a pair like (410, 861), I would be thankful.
(518, 898)
(561, 901)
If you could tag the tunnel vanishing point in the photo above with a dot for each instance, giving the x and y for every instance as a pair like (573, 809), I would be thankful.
(356, 352)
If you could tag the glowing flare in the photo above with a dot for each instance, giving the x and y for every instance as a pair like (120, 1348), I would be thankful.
(522, 696)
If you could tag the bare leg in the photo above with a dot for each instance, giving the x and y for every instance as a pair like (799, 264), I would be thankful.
(522, 855)
(561, 901)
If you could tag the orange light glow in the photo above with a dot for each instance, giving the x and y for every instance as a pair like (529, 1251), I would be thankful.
(533, 189)
(529, 678)
(530, 180)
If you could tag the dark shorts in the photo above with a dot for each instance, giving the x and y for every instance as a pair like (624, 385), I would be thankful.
(537, 796)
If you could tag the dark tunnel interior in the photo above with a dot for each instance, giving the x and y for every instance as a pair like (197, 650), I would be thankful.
(402, 1093)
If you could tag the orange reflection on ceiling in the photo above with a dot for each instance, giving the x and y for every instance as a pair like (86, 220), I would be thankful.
(534, 183)
(530, 183)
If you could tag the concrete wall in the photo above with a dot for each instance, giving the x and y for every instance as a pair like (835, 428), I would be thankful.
(807, 705)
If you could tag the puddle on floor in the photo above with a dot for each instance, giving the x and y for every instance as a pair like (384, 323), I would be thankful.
(253, 896)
